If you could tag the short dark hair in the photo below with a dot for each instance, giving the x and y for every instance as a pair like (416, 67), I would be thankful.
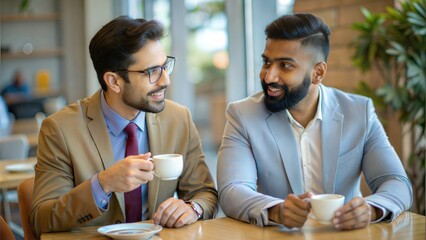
(113, 45)
(311, 30)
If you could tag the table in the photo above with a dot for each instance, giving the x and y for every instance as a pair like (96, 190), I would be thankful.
(12, 180)
(407, 226)
(25, 126)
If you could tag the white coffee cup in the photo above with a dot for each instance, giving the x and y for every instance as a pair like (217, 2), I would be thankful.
(324, 206)
(168, 166)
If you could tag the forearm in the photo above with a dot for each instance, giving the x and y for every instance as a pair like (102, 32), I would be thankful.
(197, 183)
(65, 211)
(207, 199)
(385, 197)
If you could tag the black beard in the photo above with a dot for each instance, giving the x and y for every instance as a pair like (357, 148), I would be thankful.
(290, 99)
(143, 104)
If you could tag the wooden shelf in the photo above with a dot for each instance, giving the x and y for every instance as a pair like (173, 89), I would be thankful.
(35, 54)
(30, 17)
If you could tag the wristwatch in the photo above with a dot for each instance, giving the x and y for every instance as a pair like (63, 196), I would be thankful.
(197, 209)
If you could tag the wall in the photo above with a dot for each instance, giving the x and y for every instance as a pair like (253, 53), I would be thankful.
(64, 33)
(340, 15)
(97, 14)
(74, 85)
(39, 27)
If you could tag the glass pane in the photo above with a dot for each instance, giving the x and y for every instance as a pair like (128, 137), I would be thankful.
(162, 14)
(207, 64)
(284, 7)
(136, 9)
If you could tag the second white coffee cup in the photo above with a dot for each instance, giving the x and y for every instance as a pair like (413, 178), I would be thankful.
(168, 166)
(324, 206)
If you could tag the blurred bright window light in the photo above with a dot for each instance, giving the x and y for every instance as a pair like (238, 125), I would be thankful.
(135, 8)
(211, 40)
(284, 7)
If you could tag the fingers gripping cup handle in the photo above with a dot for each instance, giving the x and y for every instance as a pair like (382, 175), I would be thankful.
(167, 166)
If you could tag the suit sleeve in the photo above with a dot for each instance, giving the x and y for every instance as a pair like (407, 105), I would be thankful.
(384, 171)
(237, 174)
(196, 183)
(58, 205)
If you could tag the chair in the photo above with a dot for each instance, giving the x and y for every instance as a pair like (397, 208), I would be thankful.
(5, 232)
(26, 109)
(25, 195)
(14, 146)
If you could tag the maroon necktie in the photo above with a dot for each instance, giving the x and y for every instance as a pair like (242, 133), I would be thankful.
(132, 199)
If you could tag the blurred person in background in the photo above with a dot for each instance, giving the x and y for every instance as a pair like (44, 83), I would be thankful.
(17, 91)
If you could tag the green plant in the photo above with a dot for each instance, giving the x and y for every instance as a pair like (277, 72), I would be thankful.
(394, 44)
(23, 6)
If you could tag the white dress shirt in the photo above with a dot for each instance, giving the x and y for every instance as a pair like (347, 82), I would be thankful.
(309, 146)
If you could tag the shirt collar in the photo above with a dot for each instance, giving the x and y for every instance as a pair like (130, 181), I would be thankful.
(117, 123)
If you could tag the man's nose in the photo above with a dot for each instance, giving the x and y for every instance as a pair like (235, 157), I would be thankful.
(271, 75)
(164, 78)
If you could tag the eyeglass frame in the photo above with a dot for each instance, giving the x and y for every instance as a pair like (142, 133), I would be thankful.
(148, 71)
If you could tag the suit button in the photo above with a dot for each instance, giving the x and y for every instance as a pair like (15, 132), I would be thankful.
(117, 221)
(252, 220)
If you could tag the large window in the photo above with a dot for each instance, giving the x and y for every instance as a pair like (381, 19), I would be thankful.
(218, 45)
(207, 63)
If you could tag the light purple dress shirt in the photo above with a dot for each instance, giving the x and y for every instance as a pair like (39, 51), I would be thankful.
(118, 137)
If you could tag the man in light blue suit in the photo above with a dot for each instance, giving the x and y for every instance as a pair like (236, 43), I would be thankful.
(298, 137)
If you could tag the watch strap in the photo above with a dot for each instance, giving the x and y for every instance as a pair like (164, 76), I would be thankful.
(197, 209)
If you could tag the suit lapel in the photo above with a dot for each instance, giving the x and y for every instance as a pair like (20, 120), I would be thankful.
(281, 130)
(155, 143)
(332, 125)
(97, 128)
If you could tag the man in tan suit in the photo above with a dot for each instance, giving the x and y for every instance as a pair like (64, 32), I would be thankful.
(82, 173)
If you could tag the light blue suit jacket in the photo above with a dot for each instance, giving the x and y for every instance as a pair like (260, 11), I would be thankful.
(258, 162)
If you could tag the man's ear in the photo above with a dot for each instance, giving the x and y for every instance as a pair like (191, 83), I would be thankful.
(112, 81)
(319, 72)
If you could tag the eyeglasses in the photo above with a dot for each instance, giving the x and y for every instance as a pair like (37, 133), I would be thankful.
(154, 73)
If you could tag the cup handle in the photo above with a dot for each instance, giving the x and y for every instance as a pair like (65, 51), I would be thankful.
(152, 160)
(308, 201)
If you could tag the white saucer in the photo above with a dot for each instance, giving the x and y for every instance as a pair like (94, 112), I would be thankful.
(20, 167)
(129, 231)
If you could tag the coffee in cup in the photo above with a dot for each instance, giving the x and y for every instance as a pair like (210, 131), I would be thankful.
(168, 166)
(324, 206)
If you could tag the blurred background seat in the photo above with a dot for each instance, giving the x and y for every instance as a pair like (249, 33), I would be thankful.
(5, 232)
(25, 196)
(26, 109)
(14, 146)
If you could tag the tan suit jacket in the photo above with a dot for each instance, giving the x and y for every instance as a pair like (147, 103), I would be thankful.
(74, 145)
